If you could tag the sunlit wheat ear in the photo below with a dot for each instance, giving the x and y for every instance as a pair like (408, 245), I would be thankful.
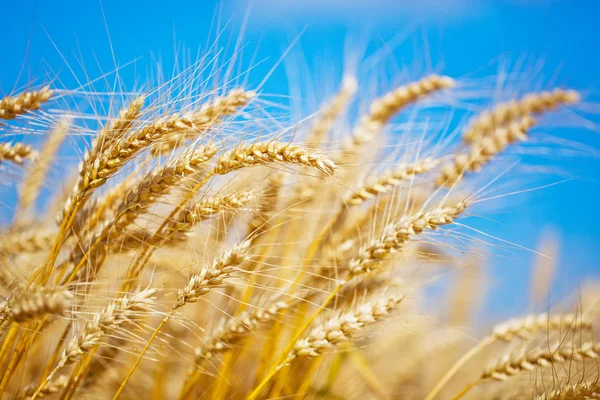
(384, 108)
(103, 159)
(24, 102)
(35, 174)
(534, 103)
(570, 391)
(396, 234)
(234, 330)
(117, 313)
(214, 275)
(16, 153)
(327, 116)
(530, 325)
(266, 205)
(160, 182)
(268, 152)
(206, 208)
(386, 181)
(51, 388)
(36, 302)
(30, 241)
(523, 327)
(143, 194)
(209, 115)
(483, 150)
(342, 328)
(529, 360)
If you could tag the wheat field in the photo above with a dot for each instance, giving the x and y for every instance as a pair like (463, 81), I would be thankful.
(199, 243)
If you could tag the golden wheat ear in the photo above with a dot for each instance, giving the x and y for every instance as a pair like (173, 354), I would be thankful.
(11, 107)
(17, 153)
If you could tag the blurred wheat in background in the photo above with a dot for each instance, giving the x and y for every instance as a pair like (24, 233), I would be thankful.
(212, 241)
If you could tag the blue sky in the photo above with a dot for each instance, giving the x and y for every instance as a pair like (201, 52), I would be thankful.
(461, 37)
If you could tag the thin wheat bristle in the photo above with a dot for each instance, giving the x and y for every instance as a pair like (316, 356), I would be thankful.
(37, 302)
(24, 102)
(17, 153)
(534, 103)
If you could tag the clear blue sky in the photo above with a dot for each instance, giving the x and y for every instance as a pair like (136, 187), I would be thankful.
(462, 36)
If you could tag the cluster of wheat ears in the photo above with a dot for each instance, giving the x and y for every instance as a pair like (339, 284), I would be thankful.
(205, 250)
